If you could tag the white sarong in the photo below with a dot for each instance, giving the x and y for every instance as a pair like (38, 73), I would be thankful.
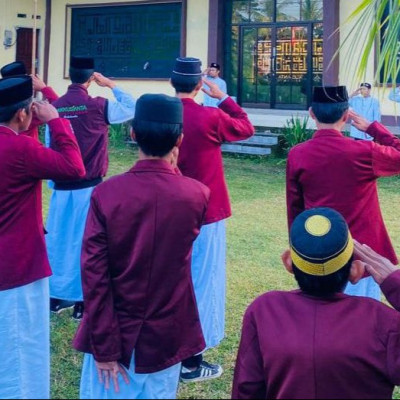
(157, 385)
(65, 227)
(25, 342)
(209, 280)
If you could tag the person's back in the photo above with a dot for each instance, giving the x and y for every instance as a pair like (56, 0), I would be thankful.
(315, 348)
(145, 222)
(316, 342)
(90, 118)
(150, 255)
(200, 158)
(334, 171)
(331, 161)
(24, 267)
(206, 128)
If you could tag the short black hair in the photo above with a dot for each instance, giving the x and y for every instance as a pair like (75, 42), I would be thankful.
(8, 112)
(329, 113)
(185, 84)
(323, 286)
(156, 138)
(80, 75)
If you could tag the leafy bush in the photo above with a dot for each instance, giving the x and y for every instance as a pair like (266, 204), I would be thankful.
(294, 132)
(119, 134)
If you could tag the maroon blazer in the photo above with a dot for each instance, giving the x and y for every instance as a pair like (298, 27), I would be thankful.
(33, 130)
(23, 163)
(334, 171)
(136, 276)
(200, 157)
(295, 346)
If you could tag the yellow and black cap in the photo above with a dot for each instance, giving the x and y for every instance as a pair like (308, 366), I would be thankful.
(320, 242)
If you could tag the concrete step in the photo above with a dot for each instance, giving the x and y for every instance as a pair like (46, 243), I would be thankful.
(259, 144)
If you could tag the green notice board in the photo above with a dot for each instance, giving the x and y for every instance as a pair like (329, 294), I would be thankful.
(128, 41)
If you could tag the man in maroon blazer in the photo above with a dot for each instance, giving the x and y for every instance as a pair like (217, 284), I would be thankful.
(140, 317)
(24, 266)
(316, 342)
(200, 157)
(335, 171)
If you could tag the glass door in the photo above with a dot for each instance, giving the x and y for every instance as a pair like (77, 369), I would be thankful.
(292, 66)
(255, 66)
(276, 65)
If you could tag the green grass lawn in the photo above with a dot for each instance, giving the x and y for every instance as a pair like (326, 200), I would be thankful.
(256, 236)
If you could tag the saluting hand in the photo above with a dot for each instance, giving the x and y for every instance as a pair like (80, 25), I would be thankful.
(109, 371)
(378, 266)
(359, 122)
(44, 111)
(101, 80)
(37, 82)
(213, 90)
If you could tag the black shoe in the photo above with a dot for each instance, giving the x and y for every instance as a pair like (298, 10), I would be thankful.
(78, 311)
(204, 372)
(57, 305)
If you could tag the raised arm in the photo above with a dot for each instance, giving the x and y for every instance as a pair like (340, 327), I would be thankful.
(385, 148)
(234, 123)
(382, 270)
(121, 110)
(39, 86)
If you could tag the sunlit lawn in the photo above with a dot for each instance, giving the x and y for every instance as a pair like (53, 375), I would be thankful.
(256, 236)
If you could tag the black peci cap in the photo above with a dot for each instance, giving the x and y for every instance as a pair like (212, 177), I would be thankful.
(13, 69)
(187, 66)
(15, 89)
(159, 108)
(82, 62)
(330, 94)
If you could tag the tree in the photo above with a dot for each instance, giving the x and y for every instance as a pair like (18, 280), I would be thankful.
(311, 10)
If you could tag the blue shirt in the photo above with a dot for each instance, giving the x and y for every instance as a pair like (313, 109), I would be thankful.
(208, 100)
(367, 107)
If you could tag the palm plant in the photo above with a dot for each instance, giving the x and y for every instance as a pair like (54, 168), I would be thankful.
(379, 22)
(295, 131)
